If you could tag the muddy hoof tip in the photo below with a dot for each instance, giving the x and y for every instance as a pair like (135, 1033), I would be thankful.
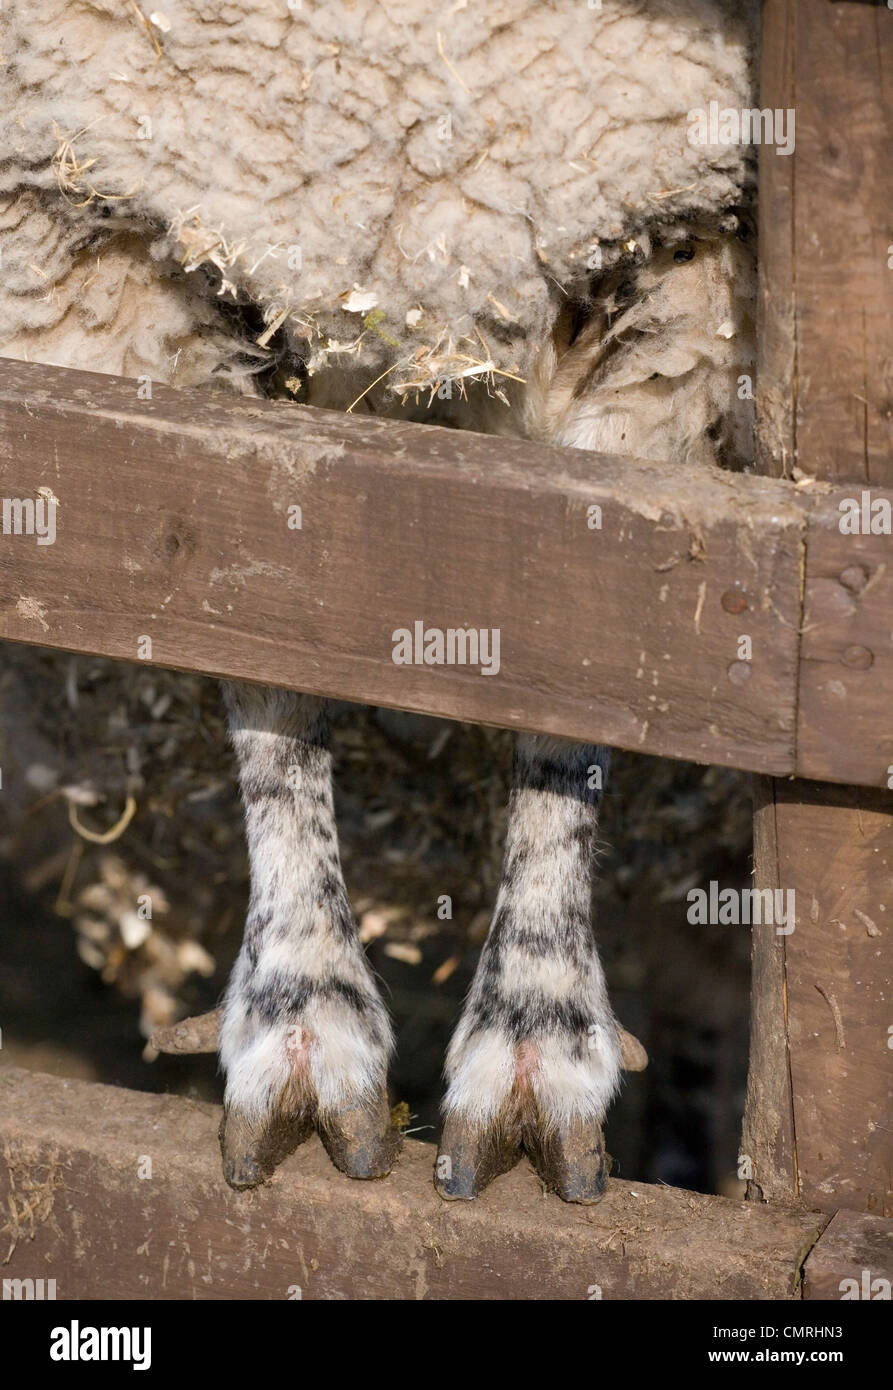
(455, 1185)
(571, 1161)
(361, 1140)
(365, 1163)
(588, 1192)
(242, 1174)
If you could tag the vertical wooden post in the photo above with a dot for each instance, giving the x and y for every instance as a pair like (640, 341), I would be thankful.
(819, 1118)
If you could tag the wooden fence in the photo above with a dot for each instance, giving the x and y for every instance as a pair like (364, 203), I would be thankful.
(176, 523)
(622, 591)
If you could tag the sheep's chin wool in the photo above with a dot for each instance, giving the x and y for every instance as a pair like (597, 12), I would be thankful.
(398, 187)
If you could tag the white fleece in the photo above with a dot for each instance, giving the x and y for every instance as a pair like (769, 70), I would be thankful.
(412, 181)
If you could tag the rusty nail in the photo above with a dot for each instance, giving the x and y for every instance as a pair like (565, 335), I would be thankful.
(733, 602)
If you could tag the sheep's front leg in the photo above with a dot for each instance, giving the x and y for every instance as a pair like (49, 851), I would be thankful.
(305, 1039)
(536, 1056)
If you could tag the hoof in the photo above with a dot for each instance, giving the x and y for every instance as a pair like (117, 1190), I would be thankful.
(252, 1150)
(468, 1159)
(361, 1140)
(571, 1160)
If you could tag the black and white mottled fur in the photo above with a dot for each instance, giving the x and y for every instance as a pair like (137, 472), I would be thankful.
(537, 1024)
(304, 1030)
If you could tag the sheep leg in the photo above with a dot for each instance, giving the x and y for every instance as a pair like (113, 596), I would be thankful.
(536, 1056)
(304, 1037)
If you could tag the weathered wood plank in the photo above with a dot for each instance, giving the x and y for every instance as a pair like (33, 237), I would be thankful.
(776, 302)
(823, 405)
(75, 1206)
(842, 91)
(837, 858)
(846, 650)
(767, 1142)
(825, 298)
(852, 1247)
(172, 524)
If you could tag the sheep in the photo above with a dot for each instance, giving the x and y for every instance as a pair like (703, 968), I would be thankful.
(634, 340)
(536, 1056)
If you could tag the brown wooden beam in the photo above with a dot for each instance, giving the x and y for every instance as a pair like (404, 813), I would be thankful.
(119, 1194)
(768, 1147)
(852, 1259)
(821, 1080)
(173, 525)
(820, 1095)
(845, 692)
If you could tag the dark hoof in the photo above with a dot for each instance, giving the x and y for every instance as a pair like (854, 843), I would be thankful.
(252, 1151)
(361, 1140)
(468, 1160)
(571, 1160)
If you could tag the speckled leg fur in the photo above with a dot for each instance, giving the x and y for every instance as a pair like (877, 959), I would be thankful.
(305, 1038)
(536, 1057)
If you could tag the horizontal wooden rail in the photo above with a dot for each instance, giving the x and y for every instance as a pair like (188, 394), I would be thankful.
(648, 606)
(118, 1194)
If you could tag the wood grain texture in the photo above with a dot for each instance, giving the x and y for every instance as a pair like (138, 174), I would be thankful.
(846, 652)
(841, 236)
(821, 1004)
(851, 1245)
(838, 859)
(776, 303)
(172, 524)
(73, 1205)
(826, 286)
(767, 1141)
